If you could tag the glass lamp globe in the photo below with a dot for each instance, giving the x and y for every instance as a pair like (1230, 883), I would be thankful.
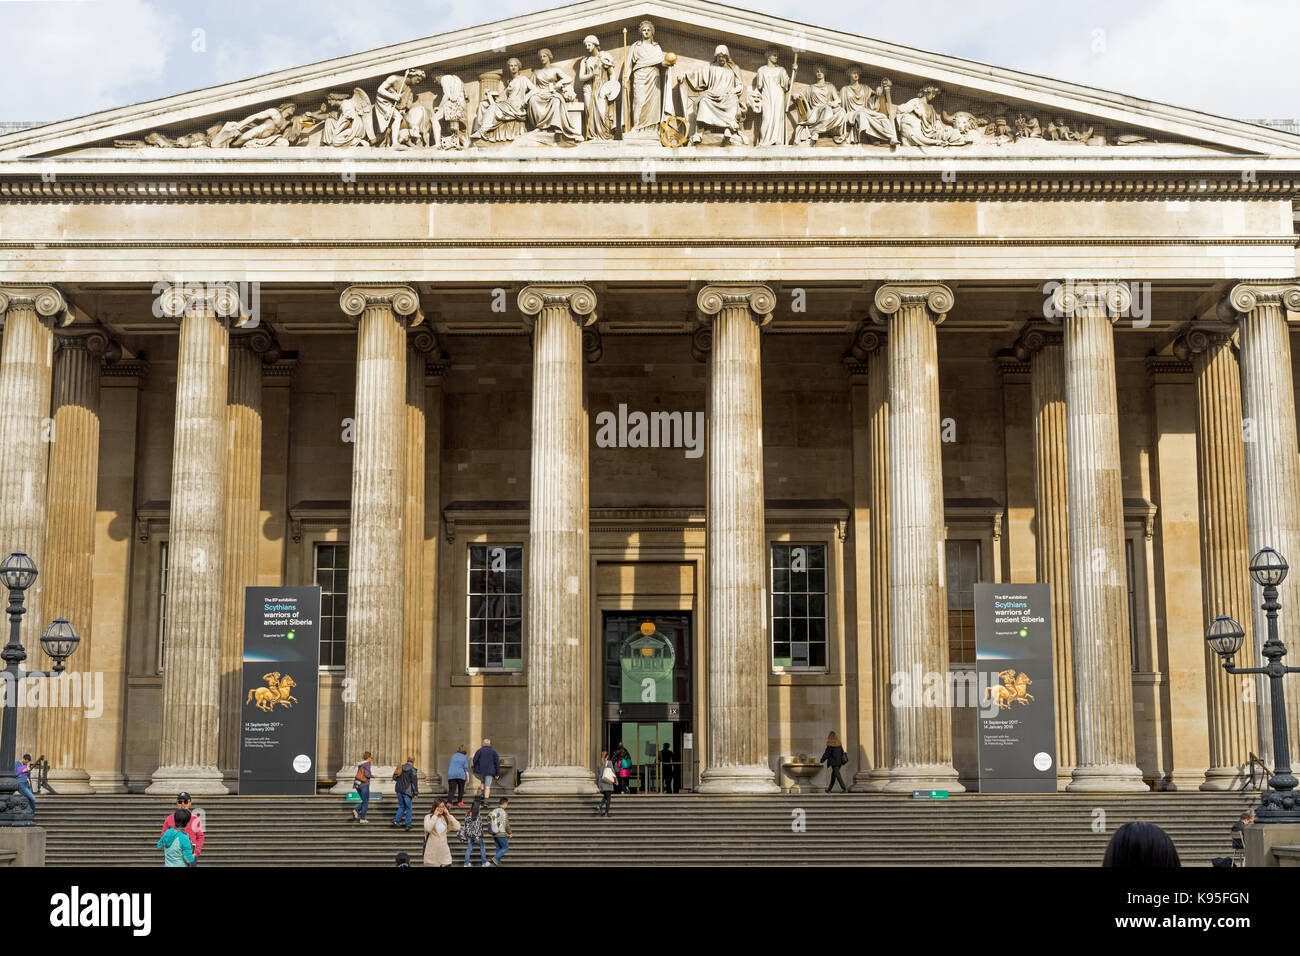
(18, 572)
(1225, 636)
(1268, 568)
(59, 641)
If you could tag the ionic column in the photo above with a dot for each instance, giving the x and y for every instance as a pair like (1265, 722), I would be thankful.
(191, 708)
(1225, 562)
(248, 351)
(918, 638)
(1045, 350)
(1272, 472)
(1105, 757)
(559, 698)
(70, 538)
(372, 717)
(739, 658)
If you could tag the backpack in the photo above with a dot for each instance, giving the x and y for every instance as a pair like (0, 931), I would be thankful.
(494, 822)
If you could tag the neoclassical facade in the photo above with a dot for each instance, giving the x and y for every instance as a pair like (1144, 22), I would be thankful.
(617, 379)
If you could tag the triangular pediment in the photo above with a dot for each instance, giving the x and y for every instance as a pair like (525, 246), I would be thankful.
(453, 95)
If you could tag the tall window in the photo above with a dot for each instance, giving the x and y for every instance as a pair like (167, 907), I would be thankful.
(798, 605)
(332, 576)
(162, 603)
(1132, 604)
(496, 587)
(963, 573)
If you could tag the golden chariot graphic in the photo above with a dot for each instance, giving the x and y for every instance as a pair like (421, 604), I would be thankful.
(278, 690)
(1014, 687)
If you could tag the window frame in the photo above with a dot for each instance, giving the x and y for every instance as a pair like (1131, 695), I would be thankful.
(827, 539)
(315, 547)
(485, 541)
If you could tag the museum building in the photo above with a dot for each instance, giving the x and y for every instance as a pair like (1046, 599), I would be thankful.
(655, 372)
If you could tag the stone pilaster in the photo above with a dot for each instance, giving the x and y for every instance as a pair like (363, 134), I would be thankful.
(420, 344)
(1272, 472)
(248, 352)
(1045, 350)
(70, 539)
(739, 657)
(1105, 757)
(558, 692)
(918, 638)
(191, 707)
(372, 717)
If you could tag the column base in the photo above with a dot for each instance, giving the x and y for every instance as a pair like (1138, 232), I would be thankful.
(544, 781)
(1108, 778)
(751, 778)
(932, 776)
(110, 782)
(1180, 781)
(70, 781)
(870, 781)
(1224, 778)
(197, 780)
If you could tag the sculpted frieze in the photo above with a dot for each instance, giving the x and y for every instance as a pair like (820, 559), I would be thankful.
(629, 95)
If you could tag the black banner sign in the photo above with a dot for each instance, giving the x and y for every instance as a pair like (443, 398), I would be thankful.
(1017, 707)
(278, 704)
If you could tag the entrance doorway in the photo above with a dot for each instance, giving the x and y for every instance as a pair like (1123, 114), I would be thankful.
(647, 697)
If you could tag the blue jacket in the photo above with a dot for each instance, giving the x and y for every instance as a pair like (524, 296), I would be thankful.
(176, 848)
(486, 762)
(458, 769)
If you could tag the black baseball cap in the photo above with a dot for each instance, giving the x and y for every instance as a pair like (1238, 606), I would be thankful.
(182, 797)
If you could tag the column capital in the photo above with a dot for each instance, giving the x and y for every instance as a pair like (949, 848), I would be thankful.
(759, 299)
(48, 302)
(424, 341)
(402, 300)
(701, 342)
(1249, 295)
(259, 340)
(1034, 338)
(866, 340)
(1194, 339)
(892, 296)
(219, 300)
(1106, 298)
(95, 340)
(578, 297)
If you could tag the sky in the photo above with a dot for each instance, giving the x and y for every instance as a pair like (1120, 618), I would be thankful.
(67, 58)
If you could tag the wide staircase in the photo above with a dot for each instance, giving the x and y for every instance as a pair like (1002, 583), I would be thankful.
(681, 830)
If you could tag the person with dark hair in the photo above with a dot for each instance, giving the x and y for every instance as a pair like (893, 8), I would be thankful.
(403, 859)
(1238, 833)
(407, 789)
(471, 831)
(499, 827)
(606, 780)
(193, 829)
(1140, 845)
(23, 770)
(437, 823)
(361, 784)
(175, 844)
(834, 757)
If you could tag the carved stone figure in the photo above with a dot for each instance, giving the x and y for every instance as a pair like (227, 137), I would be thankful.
(501, 115)
(719, 87)
(920, 124)
(351, 122)
(261, 129)
(645, 60)
(549, 99)
(822, 113)
(771, 88)
(600, 91)
(453, 110)
(1028, 128)
(867, 112)
(393, 98)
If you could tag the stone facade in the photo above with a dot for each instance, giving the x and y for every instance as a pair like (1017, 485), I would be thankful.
(978, 329)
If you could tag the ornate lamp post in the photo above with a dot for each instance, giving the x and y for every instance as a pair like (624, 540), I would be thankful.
(1225, 637)
(17, 573)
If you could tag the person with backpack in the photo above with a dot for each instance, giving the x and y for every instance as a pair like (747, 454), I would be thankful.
(407, 789)
(606, 780)
(438, 822)
(193, 828)
(175, 844)
(835, 757)
(499, 827)
(471, 832)
(361, 784)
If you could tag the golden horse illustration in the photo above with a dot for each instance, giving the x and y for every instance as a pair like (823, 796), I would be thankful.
(278, 690)
(1014, 687)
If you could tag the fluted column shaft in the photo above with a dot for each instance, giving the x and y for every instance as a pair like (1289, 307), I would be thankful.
(70, 540)
(191, 709)
(372, 716)
(413, 551)
(918, 606)
(1046, 351)
(243, 516)
(1272, 476)
(881, 667)
(739, 657)
(558, 691)
(1225, 562)
(1105, 756)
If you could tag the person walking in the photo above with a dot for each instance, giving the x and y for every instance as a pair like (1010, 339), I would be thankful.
(624, 770)
(499, 826)
(361, 784)
(834, 757)
(471, 831)
(606, 780)
(457, 773)
(23, 771)
(175, 844)
(407, 789)
(487, 767)
(668, 769)
(193, 829)
(437, 823)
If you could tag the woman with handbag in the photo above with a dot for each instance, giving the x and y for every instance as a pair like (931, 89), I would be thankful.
(438, 822)
(834, 757)
(605, 780)
(361, 784)
(471, 831)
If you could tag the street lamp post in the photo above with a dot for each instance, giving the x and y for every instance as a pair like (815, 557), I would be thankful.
(18, 573)
(1225, 637)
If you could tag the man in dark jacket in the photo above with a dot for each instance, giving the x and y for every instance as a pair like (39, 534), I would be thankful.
(487, 767)
(407, 788)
